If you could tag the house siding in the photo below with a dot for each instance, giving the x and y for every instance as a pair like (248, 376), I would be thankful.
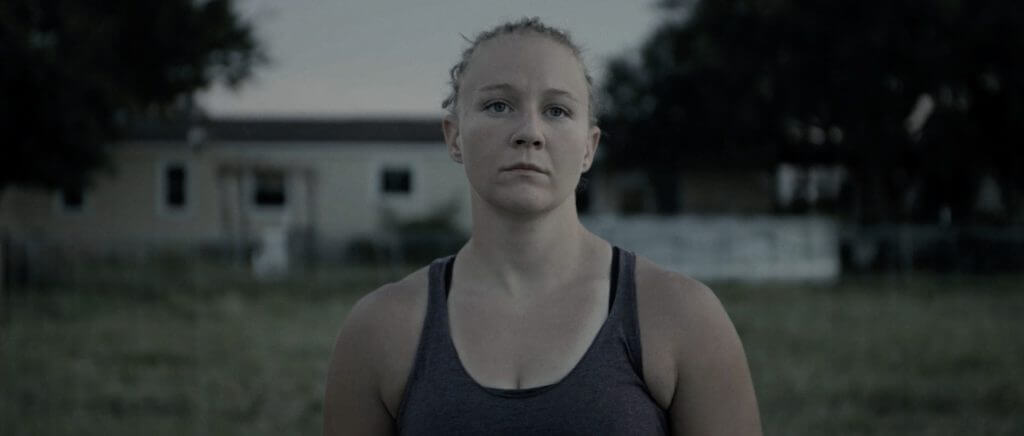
(332, 192)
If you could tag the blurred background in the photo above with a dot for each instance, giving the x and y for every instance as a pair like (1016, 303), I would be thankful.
(193, 194)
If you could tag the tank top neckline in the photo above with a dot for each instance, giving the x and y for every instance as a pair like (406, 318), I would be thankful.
(602, 332)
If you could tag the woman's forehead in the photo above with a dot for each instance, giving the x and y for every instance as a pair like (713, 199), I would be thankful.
(528, 60)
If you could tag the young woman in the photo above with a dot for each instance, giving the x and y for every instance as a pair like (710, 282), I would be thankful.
(536, 326)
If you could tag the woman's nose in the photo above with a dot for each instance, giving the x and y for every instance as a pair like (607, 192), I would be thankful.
(528, 132)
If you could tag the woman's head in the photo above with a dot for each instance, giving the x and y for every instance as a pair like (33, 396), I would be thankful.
(519, 27)
(521, 118)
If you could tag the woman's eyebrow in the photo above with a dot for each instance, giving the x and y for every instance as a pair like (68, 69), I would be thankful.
(560, 93)
(505, 87)
(497, 87)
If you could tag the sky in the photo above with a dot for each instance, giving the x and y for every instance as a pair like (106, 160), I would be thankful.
(365, 58)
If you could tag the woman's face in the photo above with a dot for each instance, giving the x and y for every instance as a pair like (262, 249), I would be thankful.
(522, 128)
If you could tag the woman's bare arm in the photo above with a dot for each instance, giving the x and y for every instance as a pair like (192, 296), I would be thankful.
(698, 368)
(714, 393)
(352, 401)
(372, 358)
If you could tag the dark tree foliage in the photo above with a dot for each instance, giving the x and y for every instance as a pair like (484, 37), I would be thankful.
(73, 71)
(744, 83)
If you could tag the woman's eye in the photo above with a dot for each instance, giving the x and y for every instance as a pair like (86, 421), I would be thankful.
(557, 112)
(497, 107)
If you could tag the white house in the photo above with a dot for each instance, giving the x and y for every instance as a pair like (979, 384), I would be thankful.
(225, 183)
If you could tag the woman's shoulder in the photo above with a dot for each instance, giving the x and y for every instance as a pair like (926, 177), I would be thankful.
(681, 322)
(401, 297)
(390, 315)
(675, 293)
(678, 305)
(382, 331)
(693, 360)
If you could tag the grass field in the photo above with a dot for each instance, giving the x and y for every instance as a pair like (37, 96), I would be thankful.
(191, 352)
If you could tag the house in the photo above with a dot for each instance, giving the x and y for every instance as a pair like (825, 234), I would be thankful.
(264, 191)
(225, 185)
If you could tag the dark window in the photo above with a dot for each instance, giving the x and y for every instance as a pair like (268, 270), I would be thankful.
(72, 198)
(269, 189)
(174, 186)
(396, 181)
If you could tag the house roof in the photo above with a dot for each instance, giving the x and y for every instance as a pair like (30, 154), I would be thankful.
(290, 129)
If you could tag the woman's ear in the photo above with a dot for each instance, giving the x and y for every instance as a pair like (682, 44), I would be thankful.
(450, 125)
(592, 142)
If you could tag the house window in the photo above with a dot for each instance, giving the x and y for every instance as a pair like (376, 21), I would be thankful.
(72, 199)
(396, 181)
(175, 192)
(269, 190)
(175, 186)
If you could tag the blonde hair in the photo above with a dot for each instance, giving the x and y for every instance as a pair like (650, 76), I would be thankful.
(520, 26)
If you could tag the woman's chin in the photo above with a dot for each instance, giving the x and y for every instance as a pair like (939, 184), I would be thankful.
(525, 203)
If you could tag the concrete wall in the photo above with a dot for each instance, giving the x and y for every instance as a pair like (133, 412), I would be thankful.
(724, 247)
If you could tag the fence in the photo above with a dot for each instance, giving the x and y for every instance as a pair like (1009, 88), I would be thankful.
(910, 247)
(734, 248)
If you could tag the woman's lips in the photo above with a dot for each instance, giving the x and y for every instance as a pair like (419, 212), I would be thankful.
(524, 167)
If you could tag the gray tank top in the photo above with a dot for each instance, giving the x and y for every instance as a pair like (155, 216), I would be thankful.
(603, 394)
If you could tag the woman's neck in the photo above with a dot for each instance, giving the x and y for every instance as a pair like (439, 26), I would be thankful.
(513, 253)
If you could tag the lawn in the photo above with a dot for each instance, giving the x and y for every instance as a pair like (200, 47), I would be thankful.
(200, 353)
(886, 356)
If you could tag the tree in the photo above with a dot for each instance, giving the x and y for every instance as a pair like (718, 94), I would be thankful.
(74, 72)
(741, 82)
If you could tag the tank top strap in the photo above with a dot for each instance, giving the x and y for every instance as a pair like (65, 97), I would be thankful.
(440, 274)
(624, 308)
(436, 319)
(433, 334)
(435, 325)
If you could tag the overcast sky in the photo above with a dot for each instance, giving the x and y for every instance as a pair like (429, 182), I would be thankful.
(391, 57)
